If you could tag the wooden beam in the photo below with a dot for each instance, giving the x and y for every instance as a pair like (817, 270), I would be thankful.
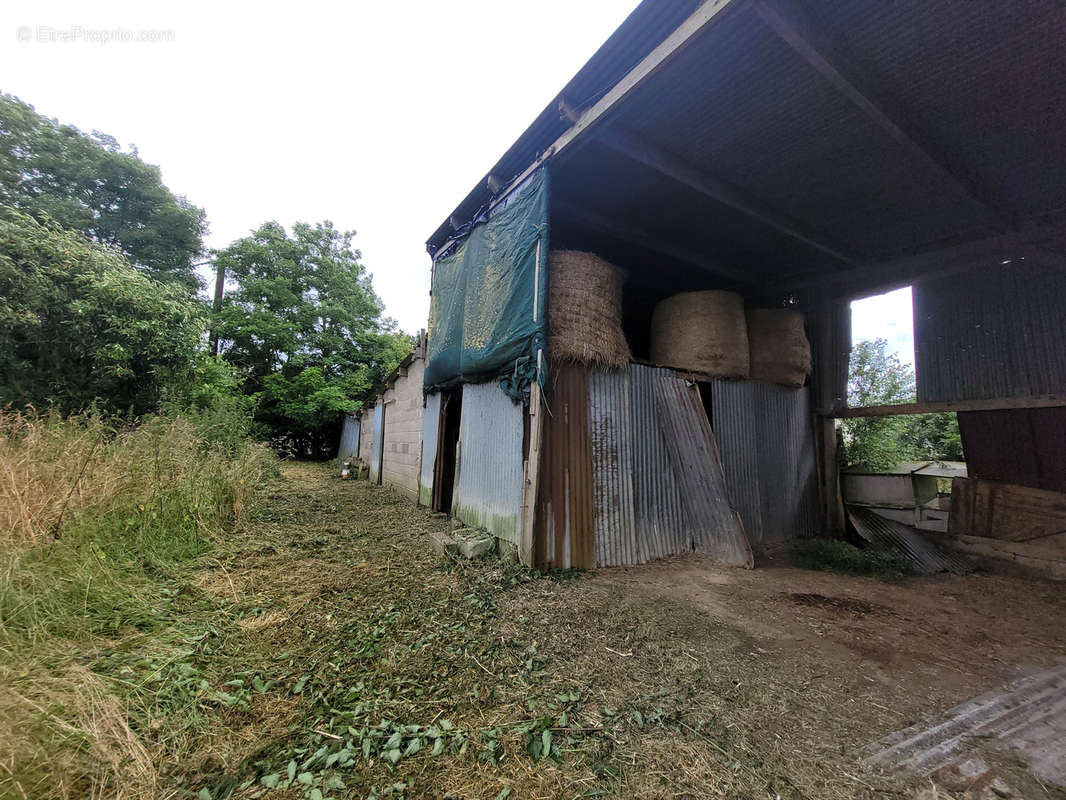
(938, 406)
(665, 163)
(693, 25)
(792, 32)
(635, 236)
(531, 470)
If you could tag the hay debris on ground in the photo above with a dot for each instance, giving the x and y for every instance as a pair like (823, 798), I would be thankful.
(585, 310)
(780, 352)
(703, 332)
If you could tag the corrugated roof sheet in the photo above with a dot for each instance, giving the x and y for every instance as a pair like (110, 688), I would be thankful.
(920, 550)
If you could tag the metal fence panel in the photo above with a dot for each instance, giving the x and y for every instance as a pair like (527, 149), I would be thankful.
(430, 425)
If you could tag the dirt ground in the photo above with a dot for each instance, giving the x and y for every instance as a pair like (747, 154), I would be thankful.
(385, 670)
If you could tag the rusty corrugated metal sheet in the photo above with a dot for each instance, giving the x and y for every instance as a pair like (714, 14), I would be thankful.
(715, 528)
(563, 530)
(1025, 446)
(997, 333)
(488, 491)
(888, 534)
(430, 425)
(657, 506)
(610, 436)
(767, 448)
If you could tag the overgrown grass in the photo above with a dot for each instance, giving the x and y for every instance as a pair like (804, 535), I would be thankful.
(834, 555)
(94, 519)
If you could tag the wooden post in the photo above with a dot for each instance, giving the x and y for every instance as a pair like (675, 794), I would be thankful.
(829, 342)
(532, 475)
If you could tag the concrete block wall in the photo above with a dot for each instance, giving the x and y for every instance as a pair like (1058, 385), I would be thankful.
(403, 430)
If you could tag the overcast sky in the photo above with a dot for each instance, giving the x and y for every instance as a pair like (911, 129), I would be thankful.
(886, 316)
(378, 116)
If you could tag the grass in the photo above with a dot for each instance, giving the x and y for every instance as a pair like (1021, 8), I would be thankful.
(834, 555)
(307, 643)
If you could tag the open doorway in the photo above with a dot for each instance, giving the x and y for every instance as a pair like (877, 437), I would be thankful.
(444, 473)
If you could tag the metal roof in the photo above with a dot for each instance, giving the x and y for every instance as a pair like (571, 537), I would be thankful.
(804, 143)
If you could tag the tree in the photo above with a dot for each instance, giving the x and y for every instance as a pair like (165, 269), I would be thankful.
(304, 329)
(878, 377)
(79, 325)
(87, 183)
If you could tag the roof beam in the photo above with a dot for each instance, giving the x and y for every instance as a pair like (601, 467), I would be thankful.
(669, 165)
(639, 238)
(793, 33)
(649, 65)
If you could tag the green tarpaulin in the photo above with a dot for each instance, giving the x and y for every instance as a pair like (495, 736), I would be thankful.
(487, 313)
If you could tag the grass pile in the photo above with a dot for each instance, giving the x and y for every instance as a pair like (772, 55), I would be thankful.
(835, 555)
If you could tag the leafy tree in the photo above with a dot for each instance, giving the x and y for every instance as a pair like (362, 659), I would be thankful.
(87, 183)
(304, 329)
(878, 377)
(79, 325)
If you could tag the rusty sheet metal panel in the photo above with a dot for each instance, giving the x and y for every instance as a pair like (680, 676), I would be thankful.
(888, 534)
(563, 530)
(430, 425)
(994, 333)
(349, 445)
(610, 438)
(1024, 446)
(659, 513)
(488, 491)
(714, 528)
(377, 446)
(767, 449)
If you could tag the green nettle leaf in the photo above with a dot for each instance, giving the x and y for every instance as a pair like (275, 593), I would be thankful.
(413, 747)
(315, 794)
(438, 747)
(292, 771)
(203, 794)
(270, 781)
(546, 742)
(394, 740)
(393, 755)
(306, 778)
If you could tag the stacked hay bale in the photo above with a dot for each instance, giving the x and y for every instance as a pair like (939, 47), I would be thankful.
(780, 352)
(585, 310)
(703, 332)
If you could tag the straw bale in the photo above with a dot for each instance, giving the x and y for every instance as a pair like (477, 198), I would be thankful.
(780, 352)
(701, 331)
(585, 310)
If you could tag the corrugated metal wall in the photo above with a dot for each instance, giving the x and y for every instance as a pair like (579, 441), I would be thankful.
(366, 434)
(767, 449)
(488, 491)
(430, 425)
(377, 445)
(563, 535)
(349, 446)
(996, 333)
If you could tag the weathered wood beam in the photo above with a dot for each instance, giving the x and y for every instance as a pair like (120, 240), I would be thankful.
(636, 236)
(829, 65)
(938, 406)
(648, 154)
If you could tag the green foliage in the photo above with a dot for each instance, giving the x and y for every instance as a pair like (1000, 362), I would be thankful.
(304, 330)
(87, 183)
(80, 326)
(833, 555)
(878, 377)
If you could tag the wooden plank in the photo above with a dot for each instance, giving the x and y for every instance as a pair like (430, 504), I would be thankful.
(938, 406)
(651, 63)
(1052, 565)
(1006, 512)
(531, 469)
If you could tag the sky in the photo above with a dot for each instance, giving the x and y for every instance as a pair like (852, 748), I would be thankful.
(886, 316)
(378, 116)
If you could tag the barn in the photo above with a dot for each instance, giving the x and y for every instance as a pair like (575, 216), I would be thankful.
(797, 156)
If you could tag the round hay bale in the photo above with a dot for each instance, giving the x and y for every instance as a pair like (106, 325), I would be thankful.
(701, 331)
(585, 310)
(780, 352)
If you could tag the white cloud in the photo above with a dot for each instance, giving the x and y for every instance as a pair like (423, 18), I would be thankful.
(379, 116)
(887, 316)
